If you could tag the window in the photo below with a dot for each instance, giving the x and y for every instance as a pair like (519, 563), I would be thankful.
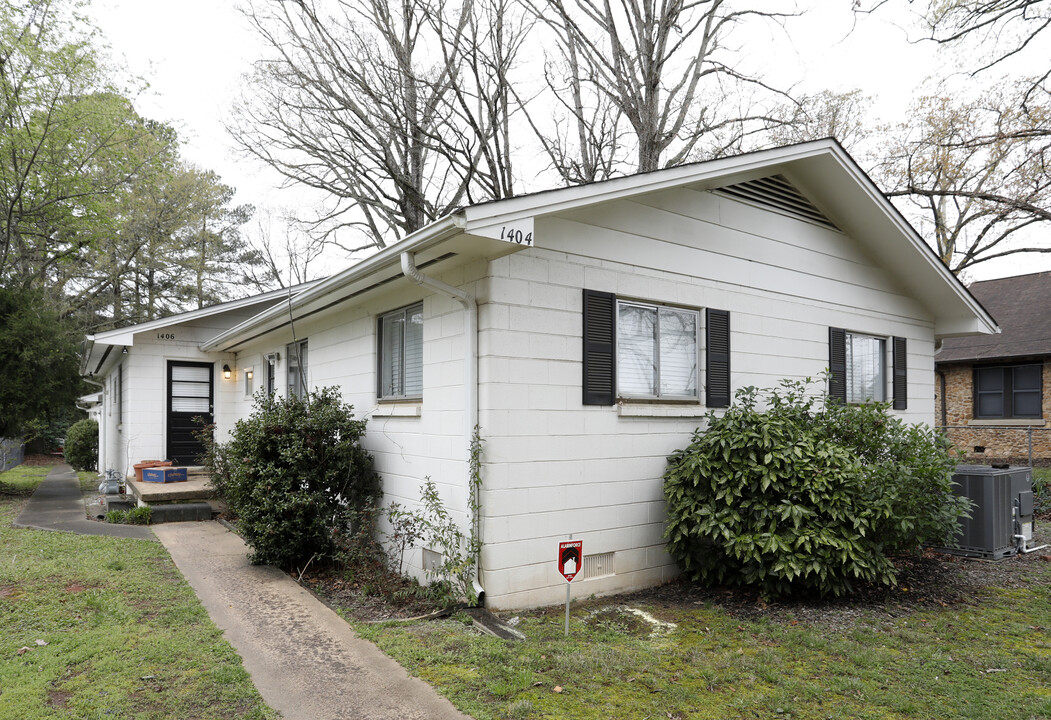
(401, 353)
(858, 368)
(656, 351)
(1008, 391)
(249, 376)
(646, 351)
(271, 373)
(297, 368)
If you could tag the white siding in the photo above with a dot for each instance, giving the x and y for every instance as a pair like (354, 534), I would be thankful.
(555, 467)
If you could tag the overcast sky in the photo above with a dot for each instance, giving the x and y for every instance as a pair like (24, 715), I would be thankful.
(194, 53)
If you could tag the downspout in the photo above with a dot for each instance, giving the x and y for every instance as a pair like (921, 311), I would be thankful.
(941, 383)
(408, 267)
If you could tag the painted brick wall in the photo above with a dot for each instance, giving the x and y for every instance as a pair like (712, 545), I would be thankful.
(989, 444)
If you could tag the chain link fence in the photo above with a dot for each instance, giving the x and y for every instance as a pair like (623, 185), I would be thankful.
(12, 450)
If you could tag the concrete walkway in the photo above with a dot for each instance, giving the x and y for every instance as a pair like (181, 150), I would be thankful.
(304, 659)
(58, 504)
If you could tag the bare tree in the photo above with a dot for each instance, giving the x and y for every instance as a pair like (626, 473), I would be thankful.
(975, 173)
(287, 253)
(369, 103)
(840, 115)
(656, 73)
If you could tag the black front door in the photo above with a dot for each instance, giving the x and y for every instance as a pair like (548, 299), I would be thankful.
(190, 393)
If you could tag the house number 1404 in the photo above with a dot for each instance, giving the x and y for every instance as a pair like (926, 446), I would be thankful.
(513, 235)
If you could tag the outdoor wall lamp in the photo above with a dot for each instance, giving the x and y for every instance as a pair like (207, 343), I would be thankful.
(227, 372)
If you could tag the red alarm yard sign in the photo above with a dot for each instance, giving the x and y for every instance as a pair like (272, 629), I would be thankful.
(570, 558)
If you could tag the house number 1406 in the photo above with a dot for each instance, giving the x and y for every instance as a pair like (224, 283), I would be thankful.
(165, 336)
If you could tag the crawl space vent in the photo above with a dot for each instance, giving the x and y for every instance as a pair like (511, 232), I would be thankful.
(777, 193)
(597, 566)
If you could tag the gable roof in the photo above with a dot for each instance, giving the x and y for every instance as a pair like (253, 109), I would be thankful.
(98, 346)
(1020, 305)
(834, 187)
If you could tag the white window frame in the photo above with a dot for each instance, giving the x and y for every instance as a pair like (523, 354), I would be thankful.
(881, 384)
(658, 307)
(381, 361)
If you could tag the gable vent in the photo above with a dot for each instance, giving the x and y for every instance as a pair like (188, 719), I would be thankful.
(777, 193)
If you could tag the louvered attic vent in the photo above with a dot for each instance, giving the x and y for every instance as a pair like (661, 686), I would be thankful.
(777, 193)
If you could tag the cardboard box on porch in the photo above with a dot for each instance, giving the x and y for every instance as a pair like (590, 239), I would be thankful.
(164, 474)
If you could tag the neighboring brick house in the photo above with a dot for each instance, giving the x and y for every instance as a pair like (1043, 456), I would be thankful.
(990, 394)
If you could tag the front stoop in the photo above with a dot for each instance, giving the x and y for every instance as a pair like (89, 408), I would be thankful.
(193, 499)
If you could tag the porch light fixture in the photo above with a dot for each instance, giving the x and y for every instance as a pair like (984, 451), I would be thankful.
(124, 351)
(227, 372)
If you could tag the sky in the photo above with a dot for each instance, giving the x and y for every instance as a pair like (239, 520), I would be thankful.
(194, 54)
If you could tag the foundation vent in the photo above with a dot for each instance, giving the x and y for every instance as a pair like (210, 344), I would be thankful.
(598, 566)
(777, 193)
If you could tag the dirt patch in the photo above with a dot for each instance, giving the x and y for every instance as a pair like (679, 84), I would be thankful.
(39, 460)
(76, 587)
(58, 698)
(929, 581)
(11, 591)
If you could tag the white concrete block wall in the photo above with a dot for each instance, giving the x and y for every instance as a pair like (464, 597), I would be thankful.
(555, 467)
(409, 440)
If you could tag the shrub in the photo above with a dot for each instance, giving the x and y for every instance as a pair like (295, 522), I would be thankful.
(799, 498)
(82, 445)
(296, 475)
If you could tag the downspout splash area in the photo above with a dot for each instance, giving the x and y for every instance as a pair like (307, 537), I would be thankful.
(409, 269)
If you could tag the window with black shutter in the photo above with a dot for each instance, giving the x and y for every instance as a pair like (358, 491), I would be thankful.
(646, 351)
(901, 377)
(599, 347)
(717, 354)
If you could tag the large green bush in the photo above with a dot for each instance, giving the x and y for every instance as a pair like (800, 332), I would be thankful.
(82, 444)
(804, 496)
(296, 476)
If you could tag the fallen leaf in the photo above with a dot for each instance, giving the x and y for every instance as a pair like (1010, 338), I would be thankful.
(23, 650)
(41, 643)
(557, 688)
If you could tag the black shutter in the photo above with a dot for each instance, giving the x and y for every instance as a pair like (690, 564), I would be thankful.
(837, 364)
(717, 357)
(600, 336)
(901, 378)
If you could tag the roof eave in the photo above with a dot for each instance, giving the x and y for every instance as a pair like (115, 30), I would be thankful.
(426, 237)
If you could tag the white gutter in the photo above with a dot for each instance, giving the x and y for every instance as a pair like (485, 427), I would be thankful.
(408, 267)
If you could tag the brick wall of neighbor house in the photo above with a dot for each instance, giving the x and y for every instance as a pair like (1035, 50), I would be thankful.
(998, 444)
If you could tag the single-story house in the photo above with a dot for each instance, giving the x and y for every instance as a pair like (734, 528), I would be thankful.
(991, 392)
(585, 331)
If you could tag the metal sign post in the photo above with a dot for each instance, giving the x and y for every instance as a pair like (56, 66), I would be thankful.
(570, 559)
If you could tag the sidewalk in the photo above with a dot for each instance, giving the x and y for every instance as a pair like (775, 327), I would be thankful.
(58, 504)
(304, 659)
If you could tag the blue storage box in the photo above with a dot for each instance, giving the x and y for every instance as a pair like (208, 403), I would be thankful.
(164, 474)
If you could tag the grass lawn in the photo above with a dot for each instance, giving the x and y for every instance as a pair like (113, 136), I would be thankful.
(988, 657)
(95, 627)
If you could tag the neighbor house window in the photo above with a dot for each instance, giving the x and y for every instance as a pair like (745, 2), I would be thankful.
(401, 353)
(656, 351)
(1008, 391)
(297, 368)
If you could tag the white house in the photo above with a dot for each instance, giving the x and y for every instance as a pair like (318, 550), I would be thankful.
(585, 331)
